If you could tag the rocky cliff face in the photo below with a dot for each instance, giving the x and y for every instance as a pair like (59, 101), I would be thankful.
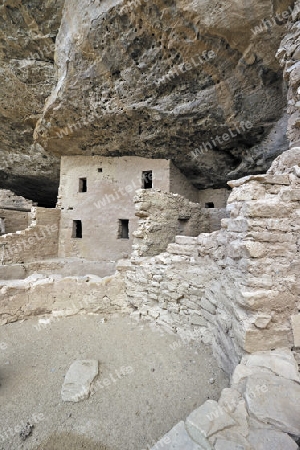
(289, 57)
(28, 31)
(197, 82)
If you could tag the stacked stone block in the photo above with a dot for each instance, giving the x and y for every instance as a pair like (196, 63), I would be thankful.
(238, 286)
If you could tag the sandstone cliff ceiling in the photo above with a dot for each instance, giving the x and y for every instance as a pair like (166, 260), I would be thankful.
(28, 31)
(149, 78)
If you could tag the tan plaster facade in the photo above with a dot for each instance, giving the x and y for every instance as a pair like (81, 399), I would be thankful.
(109, 186)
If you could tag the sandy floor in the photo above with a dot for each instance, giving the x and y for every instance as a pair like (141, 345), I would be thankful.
(162, 385)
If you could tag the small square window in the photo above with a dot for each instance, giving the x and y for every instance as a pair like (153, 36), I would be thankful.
(209, 205)
(123, 229)
(147, 179)
(82, 185)
(77, 229)
(100, 170)
(183, 227)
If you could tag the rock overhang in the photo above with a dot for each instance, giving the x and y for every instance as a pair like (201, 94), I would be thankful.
(159, 80)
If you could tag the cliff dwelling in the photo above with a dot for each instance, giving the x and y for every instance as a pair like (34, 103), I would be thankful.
(149, 225)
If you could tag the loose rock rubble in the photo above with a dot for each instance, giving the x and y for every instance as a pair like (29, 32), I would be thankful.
(260, 411)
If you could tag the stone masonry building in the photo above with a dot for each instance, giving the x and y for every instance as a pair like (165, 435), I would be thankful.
(96, 198)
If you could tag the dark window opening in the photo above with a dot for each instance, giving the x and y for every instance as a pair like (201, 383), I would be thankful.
(183, 227)
(147, 179)
(100, 169)
(82, 185)
(123, 229)
(77, 229)
(209, 205)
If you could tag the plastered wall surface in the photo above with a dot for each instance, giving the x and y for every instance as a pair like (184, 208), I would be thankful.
(14, 212)
(111, 184)
(58, 296)
(37, 242)
(162, 216)
(15, 220)
(218, 197)
(179, 184)
(215, 217)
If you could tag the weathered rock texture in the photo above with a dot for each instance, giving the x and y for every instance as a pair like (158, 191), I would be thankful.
(27, 41)
(259, 411)
(289, 57)
(107, 200)
(132, 105)
(130, 81)
(238, 286)
(8, 200)
(15, 212)
(57, 296)
(66, 267)
(78, 380)
(35, 242)
(147, 78)
(218, 197)
(162, 216)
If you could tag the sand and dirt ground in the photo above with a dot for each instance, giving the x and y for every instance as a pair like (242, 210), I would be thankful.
(149, 387)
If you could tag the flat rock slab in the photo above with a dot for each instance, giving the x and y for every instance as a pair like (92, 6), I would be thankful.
(278, 405)
(207, 420)
(223, 444)
(271, 440)
(280, 361)
(78, 380)
(177, 439)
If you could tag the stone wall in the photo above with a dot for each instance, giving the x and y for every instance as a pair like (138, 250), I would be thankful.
(66, 267)
(12, 201)
(162, 216)
(14, 220)
(215, 216)
(260, 411)
(289, 57)
(39, 295)
(179, 184)
(218, 197)
(110, 188)
(37, 242)
(14, 211)
(237, 287)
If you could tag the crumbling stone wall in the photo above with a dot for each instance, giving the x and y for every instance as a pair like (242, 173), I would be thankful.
(14, 212)
(237, 287)
(37, 242)
(180, 184)
(218, 197)
(14, 221)
(289, 57)
(9, 200)
(260, 410)
(39, 295)
(215, 217)
(110, 188)
(162, 216)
